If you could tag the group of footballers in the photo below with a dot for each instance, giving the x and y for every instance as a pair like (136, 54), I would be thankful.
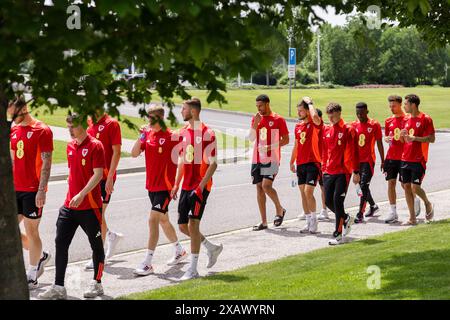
(325, 154)
(330, 154)
(187, 156)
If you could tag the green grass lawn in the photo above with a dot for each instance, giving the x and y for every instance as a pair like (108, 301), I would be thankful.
(59, 152)
(58, 119)
(414, 264)
(434, 101)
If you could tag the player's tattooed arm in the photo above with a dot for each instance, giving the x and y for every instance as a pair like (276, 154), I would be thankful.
(45, 176)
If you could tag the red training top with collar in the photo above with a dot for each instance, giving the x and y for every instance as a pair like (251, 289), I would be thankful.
(269, 131)
(82, 160)
(107, 131)
(309, 142)
(28, 142)
(340, 149)
(420, 126)
(366, 135)
(161, 159)
(393, 127)
(197, 146)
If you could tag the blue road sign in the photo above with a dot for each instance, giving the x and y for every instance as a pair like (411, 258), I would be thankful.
(292, 56)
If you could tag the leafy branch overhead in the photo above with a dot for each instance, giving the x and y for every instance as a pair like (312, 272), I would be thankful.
(200, 42)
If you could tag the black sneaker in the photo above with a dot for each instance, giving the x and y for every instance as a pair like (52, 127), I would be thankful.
(359, 218)
(347, 225)
(372, 211)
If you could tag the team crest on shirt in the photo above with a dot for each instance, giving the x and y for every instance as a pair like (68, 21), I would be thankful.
(418, 124)
(14, 136)
(198, 139)
(340, 135)
(29, 134)
(369, 130)
(84, 152)
(307, 127)
(162, 140)
(70, 153)
(101, 127)
(270, 123)
(391, 125)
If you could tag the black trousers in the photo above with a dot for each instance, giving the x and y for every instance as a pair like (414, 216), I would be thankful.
(66, 226)
(366, 171)
(336, 186)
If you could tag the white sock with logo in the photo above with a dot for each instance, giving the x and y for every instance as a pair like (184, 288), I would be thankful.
(32, 272)
(208, 245)
(393, 208)
(149, 257)
(194, 262)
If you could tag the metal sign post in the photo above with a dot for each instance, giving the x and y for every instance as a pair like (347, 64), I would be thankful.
(292, 58)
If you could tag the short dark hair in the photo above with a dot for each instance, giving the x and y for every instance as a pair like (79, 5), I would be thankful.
(361, 105)
(263, 98)
(19, 102)
(395, 98)
(303, 104)
(194, 103)
(413, 98)
(73, 118)
(334, 107)
(319, 112)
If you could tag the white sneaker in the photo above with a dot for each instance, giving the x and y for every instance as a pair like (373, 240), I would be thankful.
(301, 216)
(323, 215)
(189, 274)
(307, 226)
(144, 269)
(32, 284)
(89, 265)
(177, 258)
(417, 208)
(313, 225)
(347, 225)
(213, 255)
(336, 241)
(54, 293)
(112, 238)
(391, 218)
(95, 289)
(46, 256)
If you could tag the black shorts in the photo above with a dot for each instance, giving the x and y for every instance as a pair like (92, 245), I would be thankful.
(262, 171)
(412, 172)
(160, 201)
(365, 172)
(308, 173)
(26, 205)
(105, 197)
(392, 169)
(190, 207)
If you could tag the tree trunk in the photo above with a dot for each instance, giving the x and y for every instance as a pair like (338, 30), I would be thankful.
(13, 283)
(267, 78)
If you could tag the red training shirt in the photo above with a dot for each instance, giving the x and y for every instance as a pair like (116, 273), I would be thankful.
(393, 127)
(28, 142)
(309, 142)
(366, 135)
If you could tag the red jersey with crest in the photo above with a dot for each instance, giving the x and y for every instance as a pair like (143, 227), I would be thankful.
(107, 131)
(269, 131)
(340, 149)
(420, 126)
(393, 127)
(82, 160)
(366, 135)
(309, 142)
(161, 159)
(197, 146)
(27, 143)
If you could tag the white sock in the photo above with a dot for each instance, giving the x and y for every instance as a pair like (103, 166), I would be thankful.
(194, 262)
(178, 247)
(32, 272)
(149, 257)
(313, 215)
(208, 245)
(324, 210)
(393, 208)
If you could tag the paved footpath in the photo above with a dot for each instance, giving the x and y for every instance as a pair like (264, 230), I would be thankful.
(118, 278)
